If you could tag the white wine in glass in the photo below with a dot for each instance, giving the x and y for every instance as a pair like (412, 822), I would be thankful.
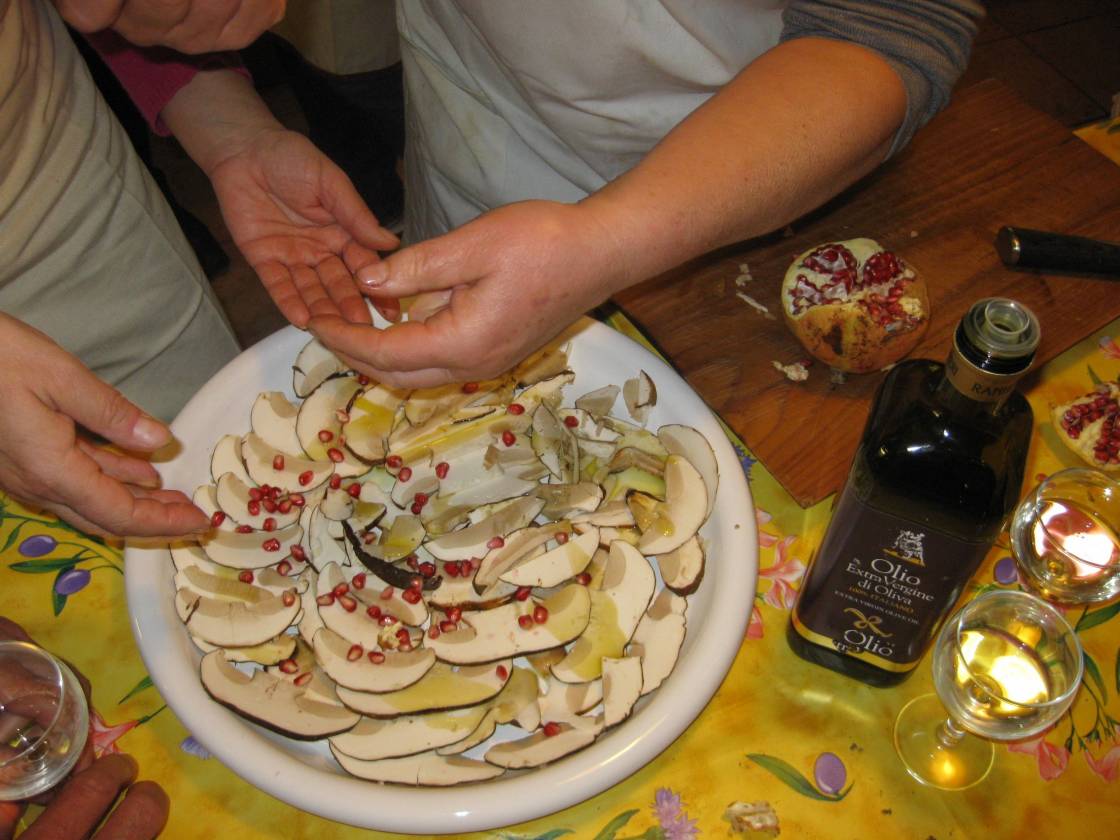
(1006, 666)
(1066, 537)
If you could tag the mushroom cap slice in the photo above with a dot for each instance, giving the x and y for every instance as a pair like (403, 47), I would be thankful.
(314, 364)
(400, 668)
(238, 623)
(557, 565)
(688, 442)
(373, 739)
(261, 459)
(311, 621)
(497, 560)
(443, 687)
(599, 402)
(247, 551)
(564, 701)
(564, 500)
(185, 554)
(471, 541)
(320, 412)
(614, 514)
(227, 458)
(488, 635)
(232, 495)
(271, 702)
(425, 770)
(355, 627)
(322, 548)
(683, 567)
(616, 609)
(555, 445)
(682, 513)
(273, 419)
(538, 748)
(372, 594)
(659, 637)
(371, 417)
(266, 653)
(516, 702)
(640, 396)
(622, 686)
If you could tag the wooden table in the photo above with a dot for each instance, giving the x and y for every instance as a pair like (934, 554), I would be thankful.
(986, 161)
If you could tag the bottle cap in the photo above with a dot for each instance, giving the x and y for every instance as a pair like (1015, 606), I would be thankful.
(998, 335)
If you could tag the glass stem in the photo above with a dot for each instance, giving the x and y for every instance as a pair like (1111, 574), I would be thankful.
(949, 734)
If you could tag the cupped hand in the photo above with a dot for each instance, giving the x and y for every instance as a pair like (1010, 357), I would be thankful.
(189, 26)
(51, 403)
(493, 291)
(301, 225)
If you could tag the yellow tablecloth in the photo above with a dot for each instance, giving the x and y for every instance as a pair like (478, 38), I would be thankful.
(756, 742)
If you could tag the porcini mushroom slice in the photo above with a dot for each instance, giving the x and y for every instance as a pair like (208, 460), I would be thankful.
(563, 500)
(616, 609)
(373, 739)
(471, 541)
(388, 598)
(271, 702)
(488, 635)
(314, 364)
(563, 701)
(599, 402)
(622, 686)
(557, 565)
(310, 621)
(426, 769)
(205, 498)
(443, 687)
(640, 397)
(682, 513)
(233, 497)
(555, 445)
(614, 514)
(273, 419)
(689, 443)
(226, 458)
(253, 550)
(540, 748)
(319, 425)
(239, 623)
(659, 637)
(266, 653)
(399, 669)
(517, 702)
(683, 567)
(370, 419)
(354, 625)
(290, 473)
(320, 546)
(504, 554)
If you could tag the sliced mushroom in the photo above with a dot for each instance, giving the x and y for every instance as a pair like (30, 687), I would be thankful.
(426, 769)
(689, 443)
(614, 514)
(659, 637)
(443, 687)
(295, 475)
(505, 555)
(683, 567)
(640, 397)
(622, 686)
(682, 513)
(516, 703)
(240, 623)
(556, 566)
(226, 458)
(471, 541)
(267, 653)
(253, 550)
(374, 739)
(272, 702)
(388, 598)
(564, 701)
(233, 497)
(313, 365)
(546, 363)
(310, 621)
(273, 419)
(400, 668)
(321, 548)
(371, 417)
(540, 748)
(555, 445)
(563, 500)
(600, 402)
(321, 416)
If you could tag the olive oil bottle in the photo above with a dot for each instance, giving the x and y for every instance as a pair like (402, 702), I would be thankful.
(938, 470)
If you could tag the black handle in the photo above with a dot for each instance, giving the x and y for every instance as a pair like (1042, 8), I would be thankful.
(1025, 248)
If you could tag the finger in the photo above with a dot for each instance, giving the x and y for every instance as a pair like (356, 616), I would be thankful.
(105, 411)
(89, 17)
(390, 308)
(122, 467)
(141, 815)
(409, 346)
(343, 291)
(356, 257)
(278, 282)
(440, 263)
(311, 289)
(253, 17)
(427, 378)
(84, 799)
(341, 200)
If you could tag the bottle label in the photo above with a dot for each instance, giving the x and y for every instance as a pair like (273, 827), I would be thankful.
(977, 384)
(880, 585)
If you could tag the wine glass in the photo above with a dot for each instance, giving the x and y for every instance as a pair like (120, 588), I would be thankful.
(1066, 537)
(44, 720)
(1006, 666)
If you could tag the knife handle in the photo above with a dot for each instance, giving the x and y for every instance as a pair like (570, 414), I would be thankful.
(1025, 248)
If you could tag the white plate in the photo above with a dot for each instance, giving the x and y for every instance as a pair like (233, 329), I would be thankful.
(304, 774)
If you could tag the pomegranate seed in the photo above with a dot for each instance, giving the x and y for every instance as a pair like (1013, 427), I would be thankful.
(244, 529)
(455, 614)
(303, 679)
(433, 632)
(394, 462)
(583, 578)
(376, 657)
(254, 507)
(288, 666)
(415, 582)
(363, 380)
(269, 524)
(265, 490)
(306, 477)
(515, 409)
(523, 593)
(288, 598)
(283, 567)
(403, 635)
(405, 647)
(354, 490)
(540, 614)
(412, 596)
(325, 600)
(359, 580)
(217, 518)
(369, 537)
(470, 387)
(340, 590)
(285, 506)
(271, 545)
(299, 554)
(255, 494)
(245, 576)
(509, 438)
(387, 593)
(571, 421)
(335, 455)
(278, 462)
(427, 569)
(297, 500)
(386, 620)
(373, 611)
(326, 435)
(495, 543)
(502, 672)
(405, 474)
(551, 729)
(348, 603)
(561, 538)
(269, 505)
(412, 562)
(420, 499)
(451, 569)
(448, 626)
(355, 653)
(335, 482)
(442, 469)
(416, 508)
(525, 621)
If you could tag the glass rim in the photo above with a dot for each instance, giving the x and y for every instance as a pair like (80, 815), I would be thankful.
(1035, 502)
(1050, 610)
(59, 675)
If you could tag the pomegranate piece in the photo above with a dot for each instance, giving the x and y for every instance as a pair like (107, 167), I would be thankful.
(1090, 426)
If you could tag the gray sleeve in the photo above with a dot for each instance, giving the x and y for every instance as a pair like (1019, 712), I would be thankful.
(927, 43)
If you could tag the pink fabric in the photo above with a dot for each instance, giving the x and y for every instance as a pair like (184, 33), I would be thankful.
(153, 75)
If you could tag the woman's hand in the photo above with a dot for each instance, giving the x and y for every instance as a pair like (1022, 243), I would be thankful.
(51, 403)
(491, 292)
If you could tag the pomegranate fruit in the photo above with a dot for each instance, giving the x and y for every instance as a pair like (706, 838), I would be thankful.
(1090, 426)
(855, 305)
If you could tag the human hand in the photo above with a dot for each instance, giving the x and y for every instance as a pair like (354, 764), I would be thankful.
(510, 280)
(301, 225)
(189, 26)
(75, 808)
(51, 402)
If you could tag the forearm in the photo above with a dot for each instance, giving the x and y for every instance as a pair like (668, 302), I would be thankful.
(216, 115)
(793, 129)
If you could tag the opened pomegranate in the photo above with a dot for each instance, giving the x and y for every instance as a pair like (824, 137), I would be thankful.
(855, 305)
(1090, 426)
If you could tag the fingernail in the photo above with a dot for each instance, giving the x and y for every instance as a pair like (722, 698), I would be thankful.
(149, 433)
(373, 275)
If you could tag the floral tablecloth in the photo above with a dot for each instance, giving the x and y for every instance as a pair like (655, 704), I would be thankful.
(781, 736)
